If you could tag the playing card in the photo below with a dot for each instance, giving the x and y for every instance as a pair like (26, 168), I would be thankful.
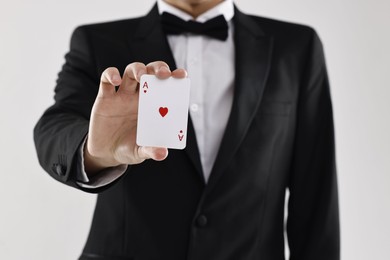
(163, 112)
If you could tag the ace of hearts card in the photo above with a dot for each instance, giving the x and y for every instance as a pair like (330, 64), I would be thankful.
(163, 112)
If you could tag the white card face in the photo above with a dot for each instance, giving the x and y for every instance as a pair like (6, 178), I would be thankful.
(163, 112)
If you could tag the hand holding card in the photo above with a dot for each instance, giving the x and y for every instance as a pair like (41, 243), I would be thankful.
(113, 122)
(163, 112)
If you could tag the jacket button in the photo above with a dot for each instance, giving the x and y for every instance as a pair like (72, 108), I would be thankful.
(201, 221)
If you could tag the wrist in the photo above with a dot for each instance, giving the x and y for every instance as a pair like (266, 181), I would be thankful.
(94, 164)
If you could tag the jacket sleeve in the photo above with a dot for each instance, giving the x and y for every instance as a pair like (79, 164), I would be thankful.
(313, 217)
(63, 127)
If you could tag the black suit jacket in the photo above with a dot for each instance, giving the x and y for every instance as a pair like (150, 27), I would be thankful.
(279, 136)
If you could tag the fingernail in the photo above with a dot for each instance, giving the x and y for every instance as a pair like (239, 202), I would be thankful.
(116, 78)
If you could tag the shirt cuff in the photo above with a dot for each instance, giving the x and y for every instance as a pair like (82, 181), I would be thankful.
(102, 178)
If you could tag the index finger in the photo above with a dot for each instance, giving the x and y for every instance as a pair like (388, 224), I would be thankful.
(108, 80)
(131, 77)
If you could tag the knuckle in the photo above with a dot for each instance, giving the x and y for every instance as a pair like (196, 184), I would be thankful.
(108, 72)
(132, 68)
(157, 64)
(129, 68)
(111, 70)
(134, 65)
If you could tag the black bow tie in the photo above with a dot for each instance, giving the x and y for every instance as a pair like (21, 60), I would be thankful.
(215, 28)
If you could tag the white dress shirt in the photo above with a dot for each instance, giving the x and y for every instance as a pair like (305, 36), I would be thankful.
(210, 66)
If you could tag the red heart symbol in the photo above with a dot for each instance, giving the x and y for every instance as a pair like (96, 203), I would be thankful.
(163, 111)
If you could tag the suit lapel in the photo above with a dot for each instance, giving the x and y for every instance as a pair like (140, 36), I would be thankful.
(149, 44)
(253, 57)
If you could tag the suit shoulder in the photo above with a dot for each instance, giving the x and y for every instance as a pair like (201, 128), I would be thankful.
(285, 30)
(288, 37)
(109, 28)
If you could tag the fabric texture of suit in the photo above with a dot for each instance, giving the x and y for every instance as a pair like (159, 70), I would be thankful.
(279, 136)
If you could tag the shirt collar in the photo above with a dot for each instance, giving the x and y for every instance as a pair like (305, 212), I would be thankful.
(225, 8)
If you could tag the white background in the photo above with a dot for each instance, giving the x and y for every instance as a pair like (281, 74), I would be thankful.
(42, 219)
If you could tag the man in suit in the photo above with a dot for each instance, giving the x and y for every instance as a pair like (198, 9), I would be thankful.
(260, 124)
